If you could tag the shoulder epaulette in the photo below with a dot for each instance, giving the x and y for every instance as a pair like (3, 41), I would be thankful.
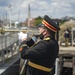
(47, 38)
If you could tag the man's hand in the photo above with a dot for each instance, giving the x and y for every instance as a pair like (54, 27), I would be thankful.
(24, 46)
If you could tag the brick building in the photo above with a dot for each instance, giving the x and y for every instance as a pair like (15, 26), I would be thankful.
(31, 22)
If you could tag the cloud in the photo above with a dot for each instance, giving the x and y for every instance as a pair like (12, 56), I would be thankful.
(54, 8)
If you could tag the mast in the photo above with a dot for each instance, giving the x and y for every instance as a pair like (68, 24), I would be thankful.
(29, 15)
(10, 13)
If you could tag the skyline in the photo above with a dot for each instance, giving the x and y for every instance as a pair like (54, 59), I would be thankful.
(52, 8)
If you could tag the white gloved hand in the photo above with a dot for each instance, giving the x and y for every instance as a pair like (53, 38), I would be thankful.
(22, 36)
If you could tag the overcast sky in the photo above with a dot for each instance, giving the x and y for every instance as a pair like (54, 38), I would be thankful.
(53, 8)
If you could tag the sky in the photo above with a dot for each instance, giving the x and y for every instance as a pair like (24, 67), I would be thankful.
(18, 11)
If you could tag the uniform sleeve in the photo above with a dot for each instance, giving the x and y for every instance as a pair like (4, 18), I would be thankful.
(37, 52)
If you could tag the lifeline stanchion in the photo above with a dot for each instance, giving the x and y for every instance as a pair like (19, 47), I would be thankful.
(23, 67)
(57, 66)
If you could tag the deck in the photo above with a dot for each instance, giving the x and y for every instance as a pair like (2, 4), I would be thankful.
(67, 57)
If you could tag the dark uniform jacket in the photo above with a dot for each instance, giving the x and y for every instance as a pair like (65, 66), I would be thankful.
(43, 53)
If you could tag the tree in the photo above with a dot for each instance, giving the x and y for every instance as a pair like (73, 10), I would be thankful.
(63, 21)
(38, 20)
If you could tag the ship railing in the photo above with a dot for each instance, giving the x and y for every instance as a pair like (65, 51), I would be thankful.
(8, 46)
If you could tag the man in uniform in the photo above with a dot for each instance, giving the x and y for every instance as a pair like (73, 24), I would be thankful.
(42, 55)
